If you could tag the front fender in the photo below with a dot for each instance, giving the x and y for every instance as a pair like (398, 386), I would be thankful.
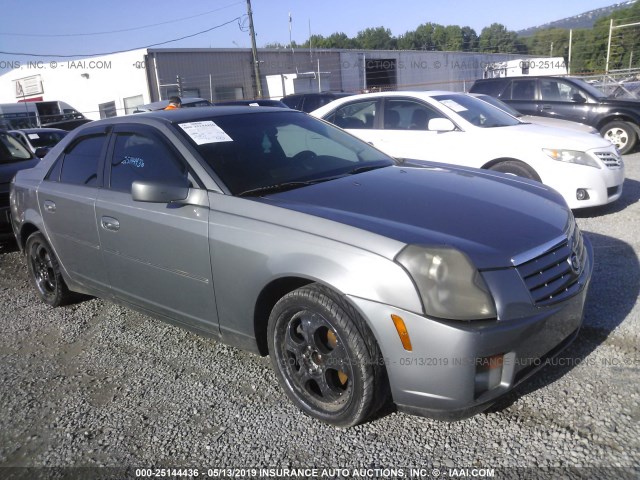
(249, 253)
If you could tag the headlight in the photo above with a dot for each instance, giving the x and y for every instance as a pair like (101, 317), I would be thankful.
(571, 156)
(450, 286)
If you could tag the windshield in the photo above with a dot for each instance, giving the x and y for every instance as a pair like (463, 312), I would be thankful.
(499, 104)
(476, 112)
(11, 150)
(264, 150)
(590, 89)
(45, 139)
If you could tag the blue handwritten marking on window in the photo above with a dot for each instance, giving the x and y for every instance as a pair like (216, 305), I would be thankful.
(134, 161)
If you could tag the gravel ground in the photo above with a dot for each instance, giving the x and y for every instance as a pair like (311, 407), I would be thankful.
(95, 384)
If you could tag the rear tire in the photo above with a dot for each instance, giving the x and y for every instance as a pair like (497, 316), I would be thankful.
(44, 271)
(325, 357)
(514, 167)
(621, 134)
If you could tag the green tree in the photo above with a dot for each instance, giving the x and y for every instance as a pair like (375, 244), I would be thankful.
(497, 39)
(378, 38)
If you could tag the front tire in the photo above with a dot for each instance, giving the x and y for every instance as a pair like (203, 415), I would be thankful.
(325, 356)
(44, 271)
(517, 168)
(621, 134)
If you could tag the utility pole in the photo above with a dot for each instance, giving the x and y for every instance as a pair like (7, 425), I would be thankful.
(254, 51)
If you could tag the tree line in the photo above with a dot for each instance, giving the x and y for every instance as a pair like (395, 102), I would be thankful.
(588, 46)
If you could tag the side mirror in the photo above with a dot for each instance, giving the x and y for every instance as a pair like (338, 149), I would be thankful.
(578, 98)
(158, 192)
(441, 125)
(41, 152)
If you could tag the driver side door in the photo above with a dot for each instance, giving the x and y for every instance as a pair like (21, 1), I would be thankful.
(156, 254)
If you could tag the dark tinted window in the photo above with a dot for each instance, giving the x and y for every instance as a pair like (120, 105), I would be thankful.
(293, 101)
(144, 157)
(356, 115)
(522, 90)
(80, 163)
(402, 114)
(493, 88)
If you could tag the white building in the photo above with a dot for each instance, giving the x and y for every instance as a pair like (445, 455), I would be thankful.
(96, 86)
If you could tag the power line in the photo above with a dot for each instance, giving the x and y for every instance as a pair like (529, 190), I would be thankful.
(116, 31)
(237, 19)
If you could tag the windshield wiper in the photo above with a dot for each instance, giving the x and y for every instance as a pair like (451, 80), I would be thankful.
(364, 169)
(281, 187)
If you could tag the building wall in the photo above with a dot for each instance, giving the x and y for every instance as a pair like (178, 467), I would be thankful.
(217, 74)
(85, 84)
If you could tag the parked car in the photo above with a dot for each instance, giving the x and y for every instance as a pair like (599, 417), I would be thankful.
(569, 98)
(35, 138)
(536, 119)
(460, 129)
(363, 277)
(162, 104)
(13, 157)
(308, 102)
(258, 102)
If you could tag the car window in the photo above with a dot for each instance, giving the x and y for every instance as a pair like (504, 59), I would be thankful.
(280, 147)
(11, 150)
(80, 162)
(522, 90)
(359, 115)
(45, 139)
(557, 90)
(403, 114)
(493, 88)
(145, 157)
(475, 111)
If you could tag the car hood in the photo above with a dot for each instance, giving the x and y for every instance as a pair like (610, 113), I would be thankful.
(542, 136)
(615, 102)
(8, 170)
(557, 123)
(489, 216)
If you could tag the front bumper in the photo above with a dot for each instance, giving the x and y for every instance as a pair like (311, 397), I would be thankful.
(603, 185)
(441, 376)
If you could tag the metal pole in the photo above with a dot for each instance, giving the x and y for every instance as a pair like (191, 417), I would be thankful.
(210, 89)
(569, 58)
(606, 68)
(254, 51)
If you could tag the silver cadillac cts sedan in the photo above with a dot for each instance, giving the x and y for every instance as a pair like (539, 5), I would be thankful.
(366, 279)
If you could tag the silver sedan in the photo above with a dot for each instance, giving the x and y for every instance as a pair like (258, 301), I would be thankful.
(367, 280)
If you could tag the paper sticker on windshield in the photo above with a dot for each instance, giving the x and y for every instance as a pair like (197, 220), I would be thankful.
(33, 136)
(453, 105)
(205, 132)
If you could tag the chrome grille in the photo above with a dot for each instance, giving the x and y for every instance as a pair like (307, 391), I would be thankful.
(554, 275)
(610, 159)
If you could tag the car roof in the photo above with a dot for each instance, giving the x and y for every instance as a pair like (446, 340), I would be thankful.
(39, 130)
(181, 115)
(161, 104)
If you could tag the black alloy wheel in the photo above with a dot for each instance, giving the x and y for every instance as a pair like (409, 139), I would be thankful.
(44, 271)
(325, 357)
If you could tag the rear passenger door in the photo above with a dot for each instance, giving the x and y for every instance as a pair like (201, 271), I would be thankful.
(522, 94)
(67, 200)
(157, 254)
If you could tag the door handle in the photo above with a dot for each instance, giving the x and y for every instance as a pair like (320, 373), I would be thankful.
(546, 107)
(49, 206)
(110, 223)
